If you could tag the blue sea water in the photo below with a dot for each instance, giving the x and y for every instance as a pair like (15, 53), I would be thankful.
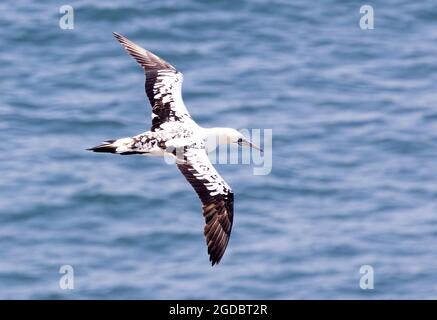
(353, 182)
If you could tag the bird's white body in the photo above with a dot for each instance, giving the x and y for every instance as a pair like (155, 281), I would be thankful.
(175, 133)
(174, 137)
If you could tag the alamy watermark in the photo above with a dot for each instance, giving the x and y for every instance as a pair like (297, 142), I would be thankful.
(66, 21)
(66, 281)
(255, 151)
(367, 277)
(367, 21)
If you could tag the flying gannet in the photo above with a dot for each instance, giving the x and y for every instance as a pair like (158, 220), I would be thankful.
(174, 133)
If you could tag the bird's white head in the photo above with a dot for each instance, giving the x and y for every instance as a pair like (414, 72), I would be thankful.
(230, 136)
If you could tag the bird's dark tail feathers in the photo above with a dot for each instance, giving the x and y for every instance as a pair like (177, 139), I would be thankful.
(120, 146)
(106, 146)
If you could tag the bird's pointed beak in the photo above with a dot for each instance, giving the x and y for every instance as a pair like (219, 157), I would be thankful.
(251, 145)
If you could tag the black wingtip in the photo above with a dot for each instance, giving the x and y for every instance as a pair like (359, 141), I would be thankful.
(215, 259)
(120, 38)
(214, 263)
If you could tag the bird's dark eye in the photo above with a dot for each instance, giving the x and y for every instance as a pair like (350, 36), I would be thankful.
(240, 140)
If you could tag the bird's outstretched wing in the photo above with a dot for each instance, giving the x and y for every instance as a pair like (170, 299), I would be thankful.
(217, 200)
(163, 85)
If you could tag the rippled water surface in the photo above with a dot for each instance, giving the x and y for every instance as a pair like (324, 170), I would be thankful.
(354, 179)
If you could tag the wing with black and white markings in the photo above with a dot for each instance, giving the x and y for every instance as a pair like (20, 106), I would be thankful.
(163, 85)
(217, 200)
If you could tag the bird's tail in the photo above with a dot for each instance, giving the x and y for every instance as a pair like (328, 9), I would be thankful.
(119, 146)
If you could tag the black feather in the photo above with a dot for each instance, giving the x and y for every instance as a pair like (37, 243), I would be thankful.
(108, 148)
